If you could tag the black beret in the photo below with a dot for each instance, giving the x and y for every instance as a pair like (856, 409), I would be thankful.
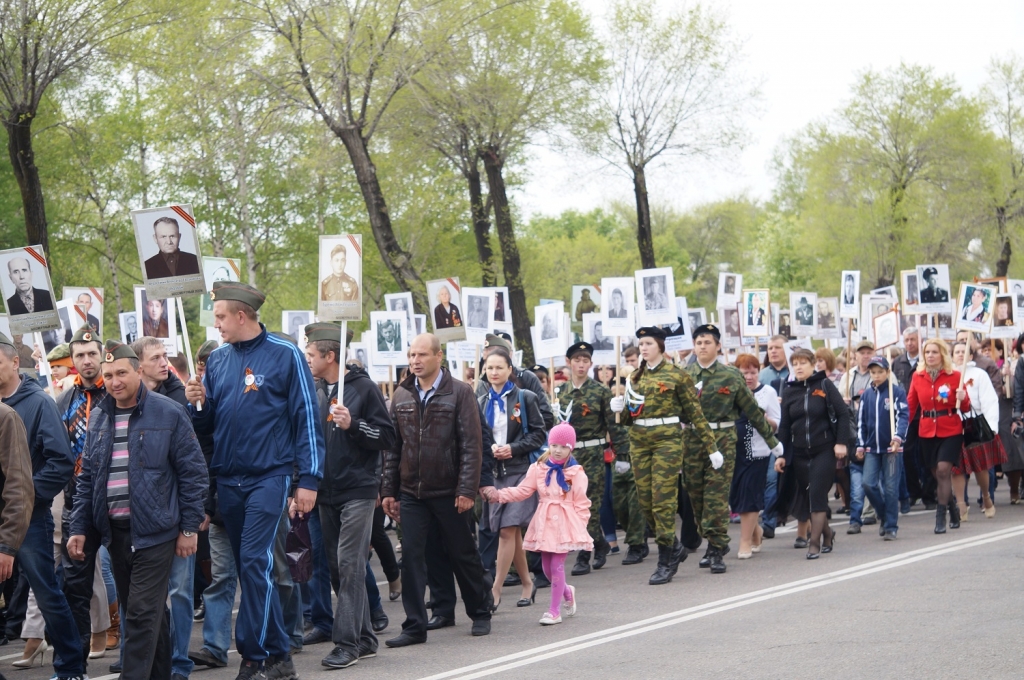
(707, 329)
(651, 332)
(580, 348)
(537, 368)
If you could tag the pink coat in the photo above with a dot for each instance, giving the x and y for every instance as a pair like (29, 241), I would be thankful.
(560, 523)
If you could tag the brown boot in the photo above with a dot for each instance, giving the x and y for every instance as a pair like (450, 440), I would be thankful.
(114, 632)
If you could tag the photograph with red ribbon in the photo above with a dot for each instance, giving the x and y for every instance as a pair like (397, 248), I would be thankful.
(168, 245)
(27, 290)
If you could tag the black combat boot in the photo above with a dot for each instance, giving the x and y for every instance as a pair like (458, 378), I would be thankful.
(635, 555)
(663, 574)
(717, 563)
(940, 519)
(677, 557)
(582, 565)
(954, 514)
(705, 561)
(601, 553)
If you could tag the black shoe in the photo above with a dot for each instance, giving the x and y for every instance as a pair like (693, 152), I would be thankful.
(800, 543)
(541, 581)
(705, 562)
(367, 652)
(204, 657)
(512, 580)
(853, 529)
(280, 668)
(717, 563)
(200, 612)
(663, 574)
(404, 640)
(116, 667)
(827, 548)
(954, 515)
(601, 554)
(645, 549)
(429, 604)
(633, 556)
(842, 511)
(378, 620)
(868, 521)
(437, 622)
(940, 519)
(582, 565)
(769, 532)
(339, 658)
(247, 670)
(677, 556)
(889, 536)
(315, 637)
(481, 627)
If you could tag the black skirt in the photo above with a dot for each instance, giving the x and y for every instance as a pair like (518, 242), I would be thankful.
(746, 494)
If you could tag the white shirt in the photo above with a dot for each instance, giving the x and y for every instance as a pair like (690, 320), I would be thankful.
(768, 400)
(500, 430)
(983, 395)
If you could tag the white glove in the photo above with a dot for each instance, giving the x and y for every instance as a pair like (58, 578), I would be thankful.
(621, 467)
(617, 404)
(717, 460)
(777, 451)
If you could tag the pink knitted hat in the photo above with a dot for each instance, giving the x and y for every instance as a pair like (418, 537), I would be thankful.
(562, 434)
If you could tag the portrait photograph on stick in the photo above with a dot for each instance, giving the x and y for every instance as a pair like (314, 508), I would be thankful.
(886, 329)
(585, 300)
(402, 302)
(294, 322)
(1004, 320)
(157, 318)
(479, 313)
(805, 313)
(129, 323)
(445, 299)
(655, 289)
(551, 340)
(910, 292)
(933, 288)
(340, 290)
(617, 306)
(974, 307)
(389, 340)
(87, 307)
(755, 316)
(729, 286)
(62, 333)
(849, 298)
(169, 250)
(828, 319)
(730, 326)
(216, 269)
(27, 290)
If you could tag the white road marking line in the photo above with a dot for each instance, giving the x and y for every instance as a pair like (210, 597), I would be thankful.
(11, 656)
(544, 652)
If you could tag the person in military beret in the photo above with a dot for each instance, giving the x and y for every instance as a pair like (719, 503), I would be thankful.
(723, 395)
(585, 404)
(257, 400)
(932, 292)
(660, 396)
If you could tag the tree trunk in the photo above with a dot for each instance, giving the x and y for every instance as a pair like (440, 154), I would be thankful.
(1003, 263)
(23, 160)
(398, 262)
(644, 238)
(493, 164)
(481, 226)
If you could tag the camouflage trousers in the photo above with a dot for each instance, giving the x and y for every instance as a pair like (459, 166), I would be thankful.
(626, 505)
(709, 488)
(592, 461)
(657, 454)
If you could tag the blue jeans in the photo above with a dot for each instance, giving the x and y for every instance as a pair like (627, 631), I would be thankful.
(219, 596)
(904, 491)
(372, 591)
(36, 560)
(179, 588)
(856, 472)
(771, 494)
(881, 485)
(108, 575)
(316, 594)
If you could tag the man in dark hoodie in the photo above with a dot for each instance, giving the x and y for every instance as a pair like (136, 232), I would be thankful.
(52, 467)
(158, 378)
(357, 427)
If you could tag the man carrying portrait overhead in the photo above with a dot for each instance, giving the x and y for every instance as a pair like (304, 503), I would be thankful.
(339, 286)
(171, 260)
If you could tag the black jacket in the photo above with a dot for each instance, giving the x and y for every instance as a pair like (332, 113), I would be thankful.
(173, 389)
(528, 381)
(806, 422)
(48, 443)
(903, 371)
(522, 443)
(352, 466)
(1018, 389)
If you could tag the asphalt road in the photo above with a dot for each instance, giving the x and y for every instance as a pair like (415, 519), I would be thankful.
(924, 606)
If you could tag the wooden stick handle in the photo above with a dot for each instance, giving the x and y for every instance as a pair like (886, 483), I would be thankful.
(188, 345)
(344, 352)
(618, 363)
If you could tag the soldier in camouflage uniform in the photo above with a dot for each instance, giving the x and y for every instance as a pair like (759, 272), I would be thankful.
(585, 404)
(723, 396)
(661, 397)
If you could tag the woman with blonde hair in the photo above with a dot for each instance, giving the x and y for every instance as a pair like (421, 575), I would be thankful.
(935, 390)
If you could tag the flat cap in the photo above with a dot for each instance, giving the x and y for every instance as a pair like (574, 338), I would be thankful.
(86, 334)
(651, 332)
(205, 350)
(707, 329)
(240, 292)
(580, 348)
(495, 340)
(864, 344)
(324, 330)
(114, 350)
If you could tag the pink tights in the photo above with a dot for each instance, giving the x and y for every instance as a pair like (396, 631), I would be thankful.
(554, 569)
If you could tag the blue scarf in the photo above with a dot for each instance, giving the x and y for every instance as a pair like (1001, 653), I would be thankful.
(559, 470)
(493, 398)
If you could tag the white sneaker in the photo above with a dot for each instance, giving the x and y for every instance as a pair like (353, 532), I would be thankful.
(549, 620)
(570, 607)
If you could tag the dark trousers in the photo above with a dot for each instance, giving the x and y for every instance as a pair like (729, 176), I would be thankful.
(141, 577)
(252, 514)
(924, 485)
(382, 546)
(78, 582)
(689, 535)
(316, 593)
(455, 536)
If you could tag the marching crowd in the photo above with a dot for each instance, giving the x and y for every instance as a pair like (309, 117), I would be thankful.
(173, 488)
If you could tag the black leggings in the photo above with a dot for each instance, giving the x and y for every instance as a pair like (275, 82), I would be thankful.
(382, 546)
(815, 471)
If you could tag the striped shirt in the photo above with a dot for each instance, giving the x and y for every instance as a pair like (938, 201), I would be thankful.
(117, 476)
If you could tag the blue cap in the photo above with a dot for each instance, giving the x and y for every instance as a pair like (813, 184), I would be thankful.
(879, 361)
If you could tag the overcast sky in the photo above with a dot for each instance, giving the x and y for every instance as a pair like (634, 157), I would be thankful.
(808, 54)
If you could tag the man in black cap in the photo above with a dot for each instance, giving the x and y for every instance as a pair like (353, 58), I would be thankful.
(258, 401)
(357, 428)
(143, 523)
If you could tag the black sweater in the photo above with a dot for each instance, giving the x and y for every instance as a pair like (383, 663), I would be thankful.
(806, 423)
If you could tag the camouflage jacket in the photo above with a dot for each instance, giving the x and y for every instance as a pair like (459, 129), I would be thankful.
(668, 391)
(724, 395)
(592, 415)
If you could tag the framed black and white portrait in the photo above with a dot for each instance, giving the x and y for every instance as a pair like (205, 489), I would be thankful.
(655, 289)
(552, 339)
(804, 313)
(933, 288)
(86, 307)
(27, 290)
(729, 286)
(340, 287)
(168, 246)
(129, 326)
(479, 313)
(294, 322)
(388, 331)
(849, 294)
(617, 306)
(445, 299)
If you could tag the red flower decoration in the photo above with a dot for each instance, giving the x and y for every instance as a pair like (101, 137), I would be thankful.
(818, 393)
(724, 390)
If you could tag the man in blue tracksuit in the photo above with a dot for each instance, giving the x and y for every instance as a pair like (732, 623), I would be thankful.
(258, 401)
(879, 447)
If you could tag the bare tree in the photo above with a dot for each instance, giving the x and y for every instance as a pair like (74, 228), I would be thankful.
(1004, 99)
(677, 90)
(41, 41)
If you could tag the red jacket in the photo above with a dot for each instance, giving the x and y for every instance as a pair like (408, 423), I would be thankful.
(929, 397)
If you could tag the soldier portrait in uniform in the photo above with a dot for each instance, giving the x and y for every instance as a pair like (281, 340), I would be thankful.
(731, 326)
(585, 300)
(729, 286)
(339, 293)
(477, 315)
(617, 310)
(598, 339)
(654, 294)
(933, 287)
(549, 329)
(168, 247)
(656, 290)
(754, 316)
(21, 278)
(696, 318)
(785, 327)
(338, 285)
(826, 315)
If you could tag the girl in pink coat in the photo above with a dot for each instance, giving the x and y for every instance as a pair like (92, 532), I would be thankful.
(559, 526)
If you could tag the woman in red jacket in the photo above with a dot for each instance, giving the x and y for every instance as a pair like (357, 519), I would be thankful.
(935, 388)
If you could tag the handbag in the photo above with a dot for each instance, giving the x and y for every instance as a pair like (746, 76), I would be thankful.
(298, 547)
(976, 429)
(536, 454)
